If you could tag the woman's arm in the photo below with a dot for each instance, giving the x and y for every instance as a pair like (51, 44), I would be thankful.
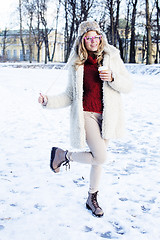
(122, 79)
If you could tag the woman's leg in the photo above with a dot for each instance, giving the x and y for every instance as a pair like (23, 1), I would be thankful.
(95, 175)
(96, 157)
(98, 150)
(96, 143)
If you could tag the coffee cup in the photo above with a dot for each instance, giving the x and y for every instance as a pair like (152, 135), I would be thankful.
(102, 68)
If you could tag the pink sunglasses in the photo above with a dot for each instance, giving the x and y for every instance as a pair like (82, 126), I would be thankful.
(97, 38)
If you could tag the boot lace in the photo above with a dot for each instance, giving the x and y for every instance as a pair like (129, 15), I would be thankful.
(94, 200)
(66, 162)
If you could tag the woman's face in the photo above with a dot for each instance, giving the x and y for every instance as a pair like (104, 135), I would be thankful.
(92, 41)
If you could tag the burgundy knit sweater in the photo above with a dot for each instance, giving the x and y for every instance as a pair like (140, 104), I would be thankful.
(92, 87)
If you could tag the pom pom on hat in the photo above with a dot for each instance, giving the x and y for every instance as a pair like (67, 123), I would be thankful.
(87, 26)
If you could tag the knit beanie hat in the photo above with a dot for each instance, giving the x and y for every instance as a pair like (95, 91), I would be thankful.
(87, 26)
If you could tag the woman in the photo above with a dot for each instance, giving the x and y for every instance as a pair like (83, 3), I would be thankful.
(96, 107)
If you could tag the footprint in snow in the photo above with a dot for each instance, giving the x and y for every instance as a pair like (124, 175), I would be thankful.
(1, 227)
(79, 182)
(119, 229)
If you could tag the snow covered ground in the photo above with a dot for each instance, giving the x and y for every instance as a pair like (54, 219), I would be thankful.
(36, 204)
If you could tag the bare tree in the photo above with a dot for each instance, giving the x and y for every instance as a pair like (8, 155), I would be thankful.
(56, 30)
(105, 12)
(85, 7)
(149, 40)
(45, 31)
(117, 36)
(109, 8)
(110, 5)
(143, 48)
(75, 12)
(103, 15)
(158, 29)
(21, 31)
(38, 38)
(4, 55)
(30, 36)
(70, 12)
(30, 8)
(133, 21)
(127, 30)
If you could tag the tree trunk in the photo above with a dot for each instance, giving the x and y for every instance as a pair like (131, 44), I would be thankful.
(127, 33)
(112, 22)
(39, 42)
(46, 47)
(21, 33)
(66, 32)
(132, 44)
(45, 31)
(149, 40)
(69, 30)
(55, 36)
(158, 27)
(4, 45)
(117, 36)
(120, 45)
(143, 48)
(30, 37)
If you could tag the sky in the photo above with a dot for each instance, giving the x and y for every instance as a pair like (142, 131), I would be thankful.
(7, 10)
(9, 17)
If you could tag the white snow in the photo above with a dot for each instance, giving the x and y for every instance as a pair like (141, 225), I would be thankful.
(36, 204)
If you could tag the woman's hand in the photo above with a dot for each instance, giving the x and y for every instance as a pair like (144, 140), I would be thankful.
(43, 99)
(106, 75)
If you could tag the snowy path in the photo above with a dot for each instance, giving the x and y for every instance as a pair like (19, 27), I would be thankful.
(36, 204)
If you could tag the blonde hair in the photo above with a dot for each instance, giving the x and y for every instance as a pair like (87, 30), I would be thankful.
(83, 53)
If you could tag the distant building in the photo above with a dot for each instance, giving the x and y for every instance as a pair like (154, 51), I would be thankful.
(11, 48)
(141, 49)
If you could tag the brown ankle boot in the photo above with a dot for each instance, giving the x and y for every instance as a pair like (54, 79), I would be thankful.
(92, 205)
(58, 156)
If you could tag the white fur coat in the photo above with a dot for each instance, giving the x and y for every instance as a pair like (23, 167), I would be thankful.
(113, 119)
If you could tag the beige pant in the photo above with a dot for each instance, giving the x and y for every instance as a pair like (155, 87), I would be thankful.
(98, 149)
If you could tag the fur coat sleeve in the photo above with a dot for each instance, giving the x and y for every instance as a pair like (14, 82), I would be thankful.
(122, 79)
